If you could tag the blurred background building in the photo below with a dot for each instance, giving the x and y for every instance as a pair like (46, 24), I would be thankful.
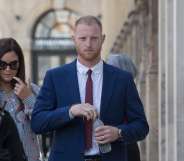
(150, 31)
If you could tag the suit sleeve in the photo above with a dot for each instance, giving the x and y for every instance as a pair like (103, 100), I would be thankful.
(45, 116)
(137, 127)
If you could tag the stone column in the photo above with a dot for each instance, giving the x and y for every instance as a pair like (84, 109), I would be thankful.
(179, 78)
(171, 82)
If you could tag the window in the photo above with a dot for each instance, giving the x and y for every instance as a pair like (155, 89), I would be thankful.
(52, 44)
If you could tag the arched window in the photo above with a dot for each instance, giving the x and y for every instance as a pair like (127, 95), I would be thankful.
(51, 41)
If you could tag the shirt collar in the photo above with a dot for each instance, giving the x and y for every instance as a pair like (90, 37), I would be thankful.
(97, 69)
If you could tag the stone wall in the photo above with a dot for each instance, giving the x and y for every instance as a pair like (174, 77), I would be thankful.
(138, 37)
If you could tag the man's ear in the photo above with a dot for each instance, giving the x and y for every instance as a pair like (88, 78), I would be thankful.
(103, 38)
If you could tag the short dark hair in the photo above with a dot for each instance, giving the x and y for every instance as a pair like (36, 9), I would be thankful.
(89, 20)
(8, 45)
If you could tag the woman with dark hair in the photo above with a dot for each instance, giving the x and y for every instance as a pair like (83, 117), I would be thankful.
(19, 95)
(11, 148)
(124, 62)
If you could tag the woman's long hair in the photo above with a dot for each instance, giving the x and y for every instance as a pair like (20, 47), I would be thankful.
(8, 45)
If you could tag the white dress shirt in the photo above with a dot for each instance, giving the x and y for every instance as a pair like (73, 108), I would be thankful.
(97, 77)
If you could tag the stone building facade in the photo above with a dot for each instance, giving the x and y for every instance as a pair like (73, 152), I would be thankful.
(18, 19)
(150, 31)
(153, 36)
(138, 37)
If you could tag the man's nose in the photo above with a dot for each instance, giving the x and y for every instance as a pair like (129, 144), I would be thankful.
(88, 42)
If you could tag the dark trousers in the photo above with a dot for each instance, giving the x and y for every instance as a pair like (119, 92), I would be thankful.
(133, 152)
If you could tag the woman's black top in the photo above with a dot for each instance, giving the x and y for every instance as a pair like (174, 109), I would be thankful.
(11, 148)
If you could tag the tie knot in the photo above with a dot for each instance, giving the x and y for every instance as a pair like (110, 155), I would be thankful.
(89, 72)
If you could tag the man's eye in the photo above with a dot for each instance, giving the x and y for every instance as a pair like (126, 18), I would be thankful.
(82, 38)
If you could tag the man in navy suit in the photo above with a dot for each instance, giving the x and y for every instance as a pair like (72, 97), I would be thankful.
(74, 95)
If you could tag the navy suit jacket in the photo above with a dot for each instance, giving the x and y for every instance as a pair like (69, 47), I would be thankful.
(60, 90)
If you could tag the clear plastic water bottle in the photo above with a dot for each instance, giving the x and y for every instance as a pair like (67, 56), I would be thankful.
(104, 148)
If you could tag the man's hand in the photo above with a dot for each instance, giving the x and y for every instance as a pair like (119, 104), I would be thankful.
(106, 134)
(21, 89)
(84, 110)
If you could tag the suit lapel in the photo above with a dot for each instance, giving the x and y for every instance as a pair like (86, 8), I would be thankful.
(107, 88)
(72, 82)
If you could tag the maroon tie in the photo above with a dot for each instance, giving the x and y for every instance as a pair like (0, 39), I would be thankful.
(88, 123)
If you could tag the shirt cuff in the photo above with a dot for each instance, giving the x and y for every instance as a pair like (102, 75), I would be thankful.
(70, 115)
(29, 101)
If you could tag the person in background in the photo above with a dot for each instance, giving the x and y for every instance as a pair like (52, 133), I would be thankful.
(11, 148)
(75, 95)
(19, 95)
(124, 62)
